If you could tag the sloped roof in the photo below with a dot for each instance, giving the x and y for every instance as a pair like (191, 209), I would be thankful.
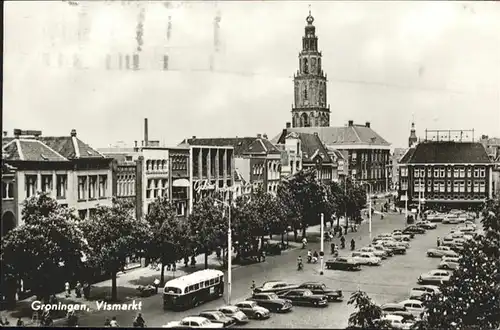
(349, 135)
(241, 145)
(30, 150)
(311, 146)
(336, 152)
(407, 155)
(65, 146)
(449, 153)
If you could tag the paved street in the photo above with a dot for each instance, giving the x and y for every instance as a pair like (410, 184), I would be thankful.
(389, 282)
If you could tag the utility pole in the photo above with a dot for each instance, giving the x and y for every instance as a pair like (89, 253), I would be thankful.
(322, 253)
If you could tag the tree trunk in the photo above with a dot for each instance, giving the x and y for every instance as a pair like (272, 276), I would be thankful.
(162, 276)
(283, 239)
(206, 259)
(114, 293)
(270, 235)
(304, 231)
(295, 234)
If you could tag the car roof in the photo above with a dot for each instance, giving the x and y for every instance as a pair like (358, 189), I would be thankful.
(392, 305)
(210, 311)
(393, 317)
(195, 319)
(411, 301)
(312, 283)
(229, 307)
(246, 301)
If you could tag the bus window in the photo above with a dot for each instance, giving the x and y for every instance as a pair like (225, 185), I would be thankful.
(212, 281)
(207, 283)
(196, 286)
(173, 290)
(216, 280)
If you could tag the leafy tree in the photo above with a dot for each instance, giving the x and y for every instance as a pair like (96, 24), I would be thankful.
(46, 250)
(265, 207)
(289, 206)
(336, 200)
(170, 234)
(113, 234)
(368, 314)
(306, 198)
(471, 298)
(207, 225)
(244, 223)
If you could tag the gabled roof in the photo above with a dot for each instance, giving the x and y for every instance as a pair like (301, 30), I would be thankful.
(30, 150)
(311, 147)
(449, 153)
(71, 147)
(241, 145)
(338, 154)
(238, 177)
(406, 156)
(349, 135)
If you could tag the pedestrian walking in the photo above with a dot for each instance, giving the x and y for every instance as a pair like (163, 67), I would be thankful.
(113, 323)
(67, 288)
(253, 286)
(20, 322)
(174, 267)
(156, 284)
(78, 289)
(346, 226)
(86, 290)
(107, 323)
(438, 242)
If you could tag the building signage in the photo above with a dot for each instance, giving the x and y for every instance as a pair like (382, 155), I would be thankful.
(203, 185)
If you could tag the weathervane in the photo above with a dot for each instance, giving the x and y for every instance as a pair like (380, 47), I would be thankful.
(309, 9)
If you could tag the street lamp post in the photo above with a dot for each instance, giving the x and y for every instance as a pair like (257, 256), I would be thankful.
(322, 253)
(229, 252)
(369, 200)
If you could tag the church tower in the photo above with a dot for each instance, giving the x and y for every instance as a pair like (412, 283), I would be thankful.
(412, 140)
(310, 108)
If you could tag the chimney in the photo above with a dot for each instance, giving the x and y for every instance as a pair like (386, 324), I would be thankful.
(367, 124)
(17, 133)
(264, 136)
(350, 123)
(194, 137)
(4, 133)
(316, 133)
(73, 132)
(288, 125)
(145, 132)
(135, 144)
(259, 136)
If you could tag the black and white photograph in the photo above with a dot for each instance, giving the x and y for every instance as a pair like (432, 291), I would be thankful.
(251, 164)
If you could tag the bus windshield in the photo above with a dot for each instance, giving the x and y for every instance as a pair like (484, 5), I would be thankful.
(172, 290)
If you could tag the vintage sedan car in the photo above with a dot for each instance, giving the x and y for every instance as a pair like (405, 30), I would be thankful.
(342, 263)
(401, 232)
(395, 248)
(234, 313)
(193, 322)
(426, 224)
(469, 223)
(378, 253)
(467, 229)
(419, 291)
(435, 217)
(451, 219)
(406, 245)
(413, 229)
(322, 289)
(395, 309)
(384, 235)
(275, 286)
(305, 297)
(462, 218)
(436, 276)
(397, 322)
(366, 258)
(416, 307)
(218, 317)
(398, 236)
(271, 301)
(449, 263)
(253, 310)
(441, 251)
(379, 247)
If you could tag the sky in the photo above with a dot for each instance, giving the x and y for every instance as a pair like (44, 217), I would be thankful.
(387, 62)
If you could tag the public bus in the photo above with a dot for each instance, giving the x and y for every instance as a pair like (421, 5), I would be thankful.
(194, 289)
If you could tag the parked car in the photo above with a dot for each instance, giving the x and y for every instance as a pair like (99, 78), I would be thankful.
(234, 313)
(380, 247)
(416, 307)
(396, 321)
(441, 251)
(401, 232)
(467, 229)
(414, 229)
(426, 224)
(395, 248)
(305, 297)
(321, 289)
(406, 245)
(271, 301)
(395, 309)
(253, 311)
(384, 235)
(436, 276)
(469, 223)
(342, 263)
(193, 322)
(419, 291)
(449, 263)
(451, 219)
(275, 286)
(401, 237)
(366, 258)
(377, 253)
(462, 218)
(218, 317)
(436, 217)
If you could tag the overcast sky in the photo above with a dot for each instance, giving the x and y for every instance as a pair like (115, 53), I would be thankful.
(386, 61)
